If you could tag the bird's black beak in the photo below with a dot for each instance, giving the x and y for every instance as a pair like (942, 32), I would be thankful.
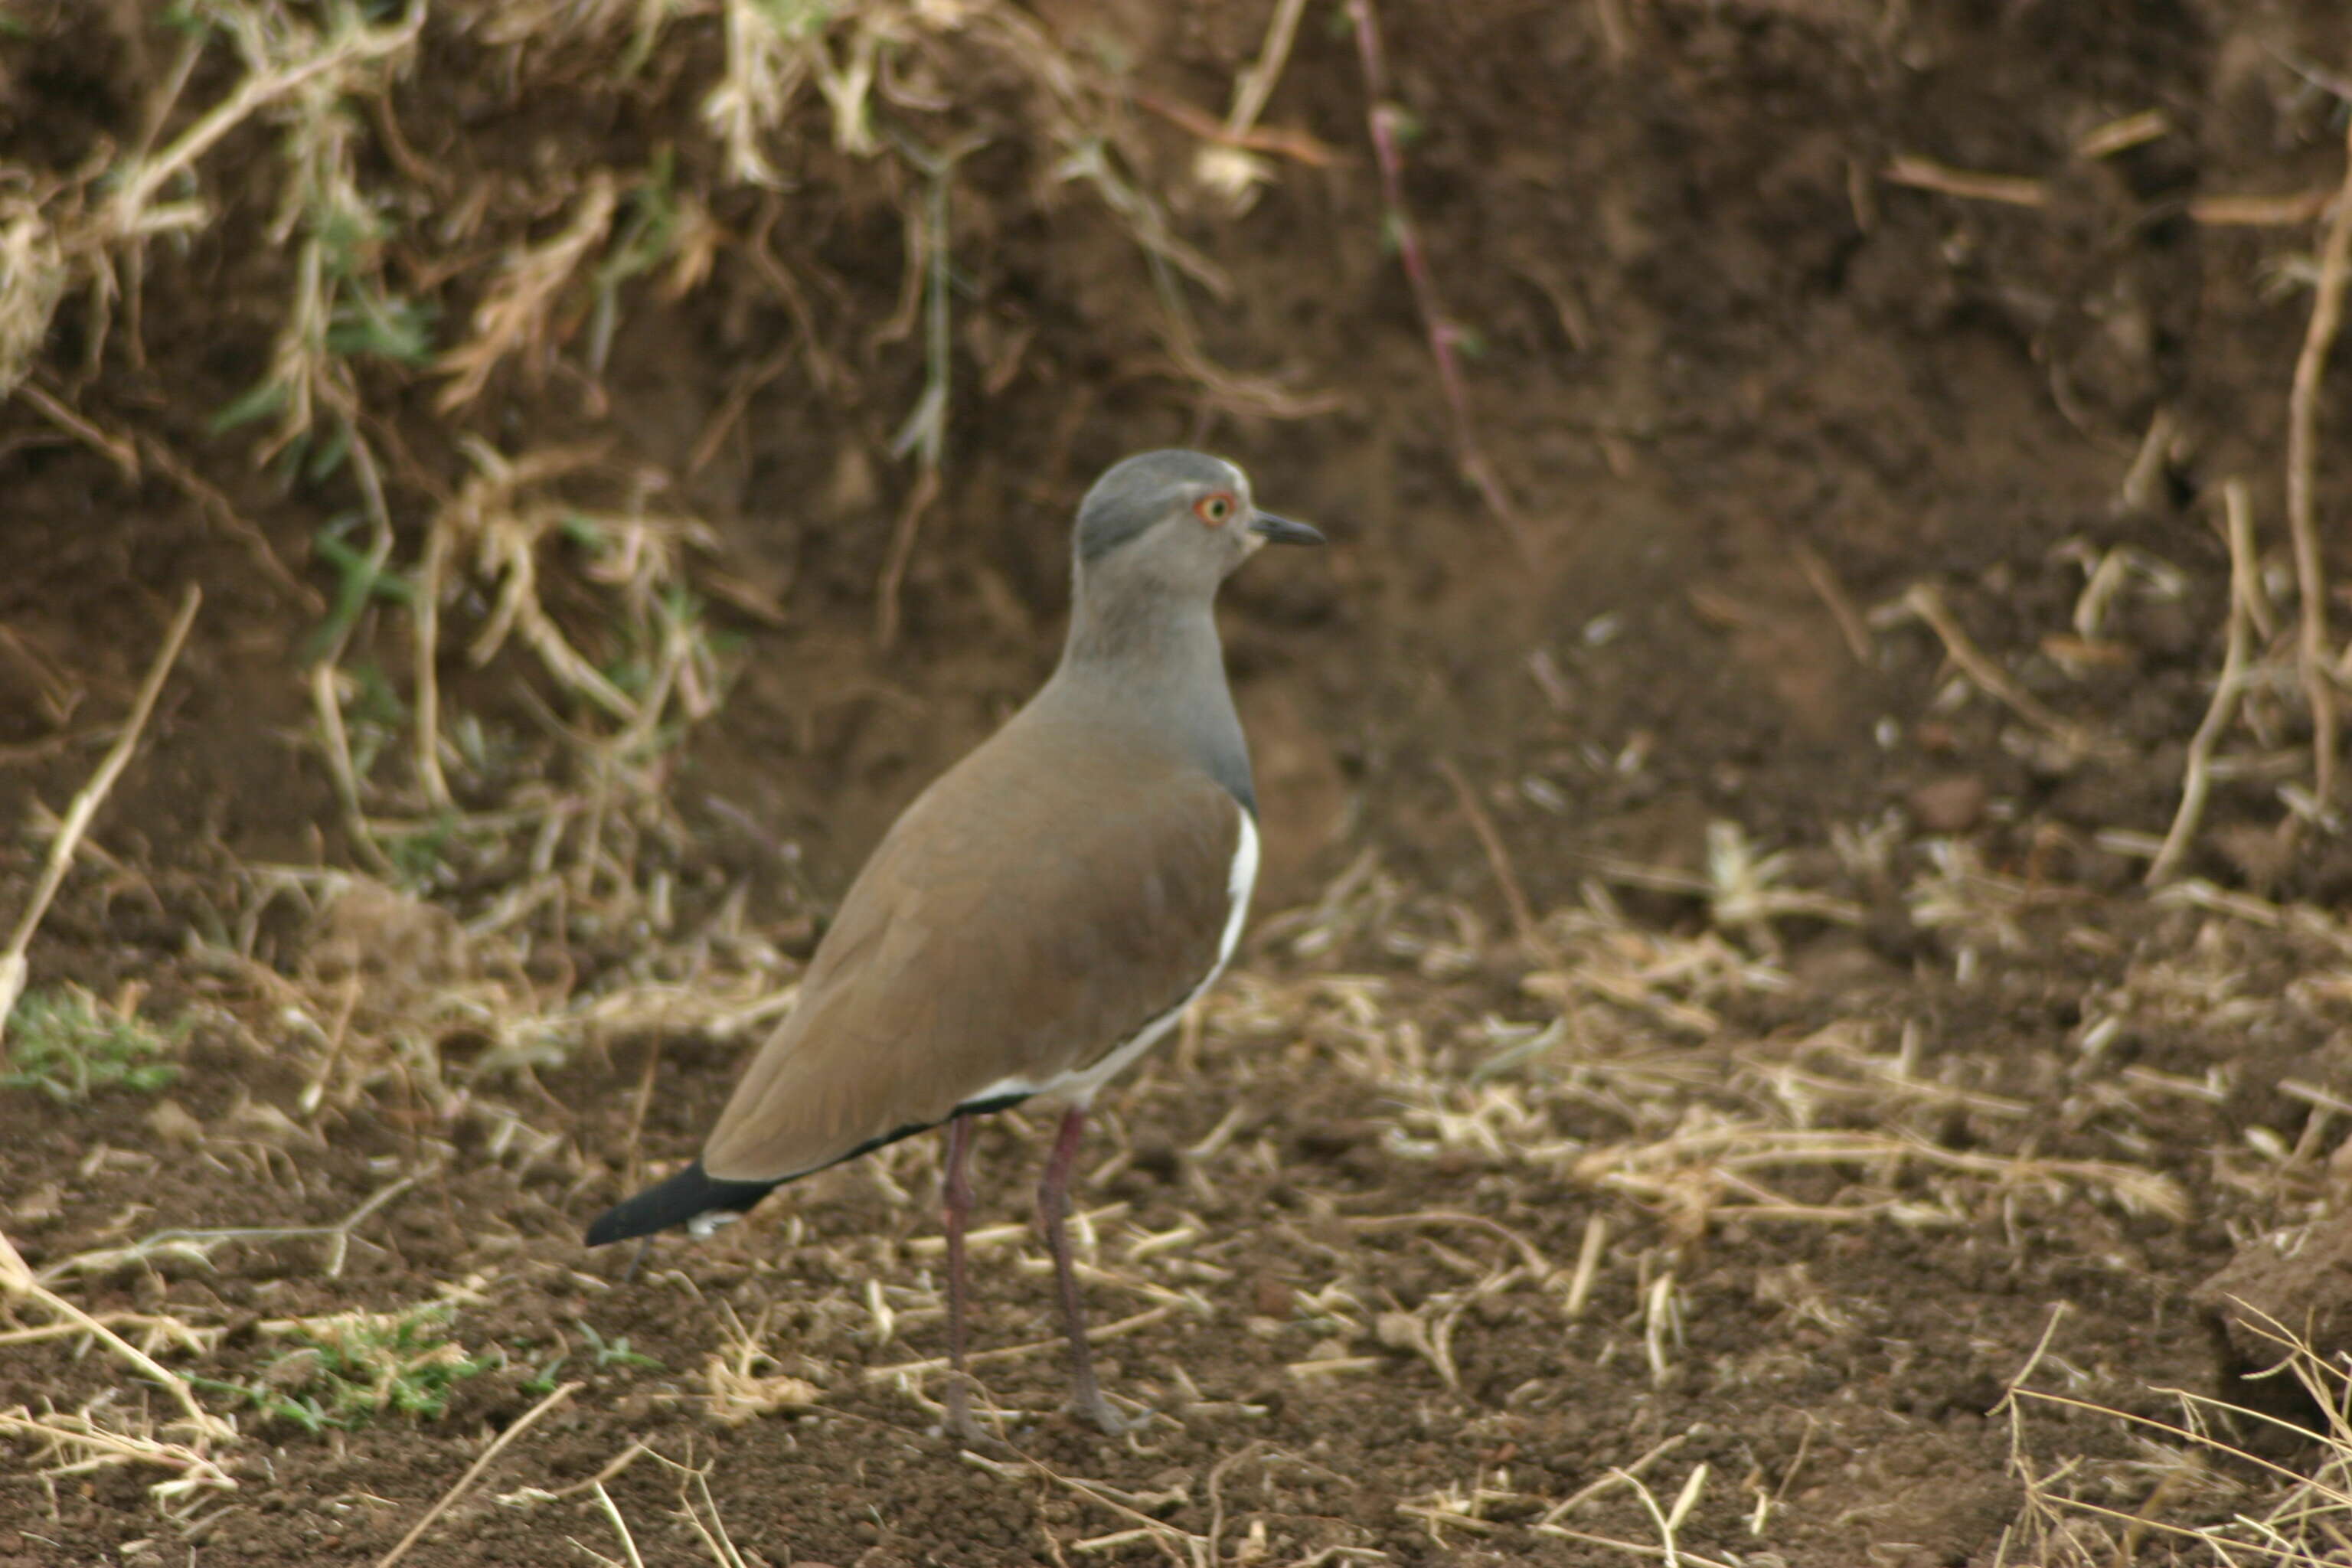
(1282, 531)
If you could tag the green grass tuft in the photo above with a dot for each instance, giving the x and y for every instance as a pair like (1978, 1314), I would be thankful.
(63, 1044)
(602, 1353)
(616, 1352)
(346, 1370)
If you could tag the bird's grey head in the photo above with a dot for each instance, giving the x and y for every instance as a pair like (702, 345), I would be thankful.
(1185, 518)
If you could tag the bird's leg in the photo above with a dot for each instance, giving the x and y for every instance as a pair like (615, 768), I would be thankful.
(955, 1205)
(1053, 1212)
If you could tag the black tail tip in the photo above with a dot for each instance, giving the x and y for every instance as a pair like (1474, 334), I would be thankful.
(688, 1196)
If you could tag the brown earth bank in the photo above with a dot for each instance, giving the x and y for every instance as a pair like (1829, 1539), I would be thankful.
(1709, 1079)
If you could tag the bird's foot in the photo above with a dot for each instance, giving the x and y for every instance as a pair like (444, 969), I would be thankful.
(959, 1425)
(1099, 1411)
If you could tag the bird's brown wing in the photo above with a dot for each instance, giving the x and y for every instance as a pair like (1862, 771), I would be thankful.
(1037, 906)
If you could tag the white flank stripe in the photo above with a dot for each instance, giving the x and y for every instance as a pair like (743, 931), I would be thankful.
(1243, 877)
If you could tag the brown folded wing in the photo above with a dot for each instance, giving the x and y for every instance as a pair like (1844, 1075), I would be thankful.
(1039, 904)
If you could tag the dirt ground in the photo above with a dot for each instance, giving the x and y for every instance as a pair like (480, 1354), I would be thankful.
(1709, 1079)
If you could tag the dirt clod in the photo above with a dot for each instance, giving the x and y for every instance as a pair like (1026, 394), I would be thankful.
(2289, 1286)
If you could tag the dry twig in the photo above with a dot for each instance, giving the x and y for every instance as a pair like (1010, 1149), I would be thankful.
(1968, 185)
(13, 966)
(2197, 772)
(1924, 602)
(1498, 857)
(17, 1278)
(2224, 211)
(2302, 460)
(199, 1243)
(1230, 164)
(497, 1445)
(518, 309)
(925, 432)
(1837, 600)
(130, 210)
(193, 1471)
(116, 449)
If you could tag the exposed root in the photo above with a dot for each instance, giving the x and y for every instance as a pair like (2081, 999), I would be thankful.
(2313, 658)
(1923, 601)
(2197, 771)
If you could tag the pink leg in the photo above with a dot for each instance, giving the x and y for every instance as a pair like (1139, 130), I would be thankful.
(1053, 1211)
(955, 1205)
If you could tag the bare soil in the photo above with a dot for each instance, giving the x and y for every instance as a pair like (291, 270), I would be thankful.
(1976, 1108)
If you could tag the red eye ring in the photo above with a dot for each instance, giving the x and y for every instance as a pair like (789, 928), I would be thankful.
(1215, 511)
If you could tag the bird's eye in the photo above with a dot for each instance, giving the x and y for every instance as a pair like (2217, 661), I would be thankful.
(1213, 509)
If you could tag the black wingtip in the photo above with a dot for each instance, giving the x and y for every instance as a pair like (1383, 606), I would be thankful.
(687, 1196)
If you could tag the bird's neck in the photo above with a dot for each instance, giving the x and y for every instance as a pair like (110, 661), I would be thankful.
(1150, 662)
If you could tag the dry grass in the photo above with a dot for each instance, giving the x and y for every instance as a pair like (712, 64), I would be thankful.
(2205, 1463)
(1619, 1072)
(2258, 658)
(1621, 1076)
(580, 566)
(374, 257)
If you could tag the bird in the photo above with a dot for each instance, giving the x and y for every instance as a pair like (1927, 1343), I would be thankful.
(1042, 913)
